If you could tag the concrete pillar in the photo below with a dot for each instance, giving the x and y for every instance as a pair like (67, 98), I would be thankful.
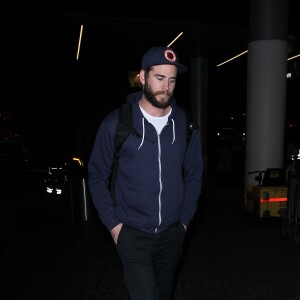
(199, 75)
(266, 86)
(199, 95)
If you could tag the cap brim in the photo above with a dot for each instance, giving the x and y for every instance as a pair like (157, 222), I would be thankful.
(181, 68)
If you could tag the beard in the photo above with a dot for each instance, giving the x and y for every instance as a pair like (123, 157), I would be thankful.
(152, 97)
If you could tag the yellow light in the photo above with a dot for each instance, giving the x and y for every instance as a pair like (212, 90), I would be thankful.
(78, 160)
(293, 57)
(79, 42)
(177, 37)
(232, 58)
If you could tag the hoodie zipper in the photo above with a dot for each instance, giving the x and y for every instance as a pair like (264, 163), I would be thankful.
(160, 182)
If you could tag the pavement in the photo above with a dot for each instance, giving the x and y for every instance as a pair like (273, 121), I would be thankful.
(50, 252)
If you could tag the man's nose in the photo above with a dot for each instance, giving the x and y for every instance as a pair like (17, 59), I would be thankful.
(166, 85)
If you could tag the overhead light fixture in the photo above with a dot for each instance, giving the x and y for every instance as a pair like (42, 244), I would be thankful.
(293, 57)
(177, 37)
(79, 42)
(230, 59)
(244, 52)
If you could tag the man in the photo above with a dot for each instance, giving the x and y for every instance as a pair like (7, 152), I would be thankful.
(158, 183)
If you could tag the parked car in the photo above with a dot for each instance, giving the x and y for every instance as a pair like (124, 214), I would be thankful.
(55, 180)
(62, 173)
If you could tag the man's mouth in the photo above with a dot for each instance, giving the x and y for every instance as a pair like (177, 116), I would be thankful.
(165, 93)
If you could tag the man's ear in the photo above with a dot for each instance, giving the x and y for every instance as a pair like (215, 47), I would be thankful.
(142, 77)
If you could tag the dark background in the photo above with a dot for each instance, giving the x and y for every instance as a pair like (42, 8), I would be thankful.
(52, 101)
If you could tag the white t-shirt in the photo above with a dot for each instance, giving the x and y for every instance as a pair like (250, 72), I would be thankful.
(157, 122)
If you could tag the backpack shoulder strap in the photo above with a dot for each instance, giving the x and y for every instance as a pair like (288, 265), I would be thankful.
(190, 126)
(123, 130)
(124, 127)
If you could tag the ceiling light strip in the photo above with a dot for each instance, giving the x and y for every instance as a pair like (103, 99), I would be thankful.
(177, 37)
(290, 58)
(79, 42)
(232, 58)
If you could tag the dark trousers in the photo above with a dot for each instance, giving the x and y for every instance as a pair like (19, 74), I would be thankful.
(150, 261)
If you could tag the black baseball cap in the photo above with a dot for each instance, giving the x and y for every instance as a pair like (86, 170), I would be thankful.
(162, 56)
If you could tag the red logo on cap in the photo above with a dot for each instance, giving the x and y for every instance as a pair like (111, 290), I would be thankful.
(170, 55)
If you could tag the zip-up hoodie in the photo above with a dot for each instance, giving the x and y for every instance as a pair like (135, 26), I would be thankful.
(159, 177)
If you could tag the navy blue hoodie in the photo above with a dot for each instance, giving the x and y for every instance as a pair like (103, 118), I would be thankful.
(159, 177)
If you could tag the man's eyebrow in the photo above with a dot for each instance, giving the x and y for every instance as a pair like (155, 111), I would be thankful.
(160, 75)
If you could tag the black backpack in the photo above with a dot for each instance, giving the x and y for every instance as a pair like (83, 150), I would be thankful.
(125, 128)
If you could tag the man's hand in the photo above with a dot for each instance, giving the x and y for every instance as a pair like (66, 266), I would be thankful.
(115, 232)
